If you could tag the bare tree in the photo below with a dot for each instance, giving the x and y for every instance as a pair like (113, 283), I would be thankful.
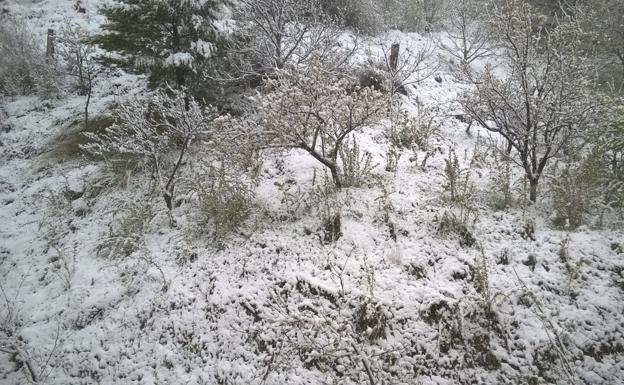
(275, 33)
(78, 56)
(466, 37)
(315, 110)
(542, 100)
(408, 65)
(159, 132)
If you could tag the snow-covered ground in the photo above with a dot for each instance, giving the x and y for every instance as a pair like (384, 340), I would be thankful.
(392, 301)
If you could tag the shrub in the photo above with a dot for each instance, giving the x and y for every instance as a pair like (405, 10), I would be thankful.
(462, 201)
(393, 155)
(569, 199)
(356, 168)
(224, 201)
(151, 131)
(420, 130)
(451, 224)
(501, 186)
(131, 220)
(372, 77)
(23, 66)
(362, 15)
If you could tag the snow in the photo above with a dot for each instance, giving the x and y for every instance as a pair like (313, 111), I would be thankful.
(218, 318)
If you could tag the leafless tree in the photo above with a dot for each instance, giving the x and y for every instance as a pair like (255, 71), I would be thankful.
(406, 66)
(314, 109)
(413, 65)
(159, 132)
(78, 56)
(542, 100)
(465, 36)
(275, 33)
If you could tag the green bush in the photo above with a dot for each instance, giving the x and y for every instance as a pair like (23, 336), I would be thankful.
(224, 201)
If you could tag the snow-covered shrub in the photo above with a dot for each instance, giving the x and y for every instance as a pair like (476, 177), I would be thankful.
(322, 199)
(66, 146)
(590, 187)
(325, 197)
(355, 167)
(131, 221)
(502, 187)
(23, 66)
(481, 276)
(224, 200)
(372, 76)
(457, 178)
(53, 227)
(342, 338)
(314, 109)
(450, 224)
(393, 154)
(570, 200)
(418, 130)
(463, 207)
(159, 131)
(371, 320)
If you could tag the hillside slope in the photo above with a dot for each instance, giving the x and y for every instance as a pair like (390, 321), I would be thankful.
(398, 298)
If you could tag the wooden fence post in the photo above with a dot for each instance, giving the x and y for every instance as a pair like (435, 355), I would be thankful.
(394, 56)
(50, 44)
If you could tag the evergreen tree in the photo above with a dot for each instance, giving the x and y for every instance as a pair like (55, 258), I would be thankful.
(171, 40)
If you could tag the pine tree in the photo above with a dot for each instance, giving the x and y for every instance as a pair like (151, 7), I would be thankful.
(171, 40)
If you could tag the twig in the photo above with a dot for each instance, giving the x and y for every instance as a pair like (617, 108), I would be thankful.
(369, 372)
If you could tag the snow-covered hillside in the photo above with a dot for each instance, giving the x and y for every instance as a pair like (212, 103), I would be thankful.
(396, 299)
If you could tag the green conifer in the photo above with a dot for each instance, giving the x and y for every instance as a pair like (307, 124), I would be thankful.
(170, 40)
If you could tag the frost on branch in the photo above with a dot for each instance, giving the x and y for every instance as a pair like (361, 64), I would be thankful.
(543, 102)
(315, 110)
(274, 34)
(159, 131)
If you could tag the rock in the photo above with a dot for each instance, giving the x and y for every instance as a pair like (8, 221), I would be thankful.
(438, 78)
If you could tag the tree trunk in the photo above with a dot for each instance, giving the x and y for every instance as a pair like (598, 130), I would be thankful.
(86, 110)
(533, 189)
(335, 175)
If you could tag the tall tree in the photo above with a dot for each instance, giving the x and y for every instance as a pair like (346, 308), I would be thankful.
(168, 39)
(604, 19)
(542, 99)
